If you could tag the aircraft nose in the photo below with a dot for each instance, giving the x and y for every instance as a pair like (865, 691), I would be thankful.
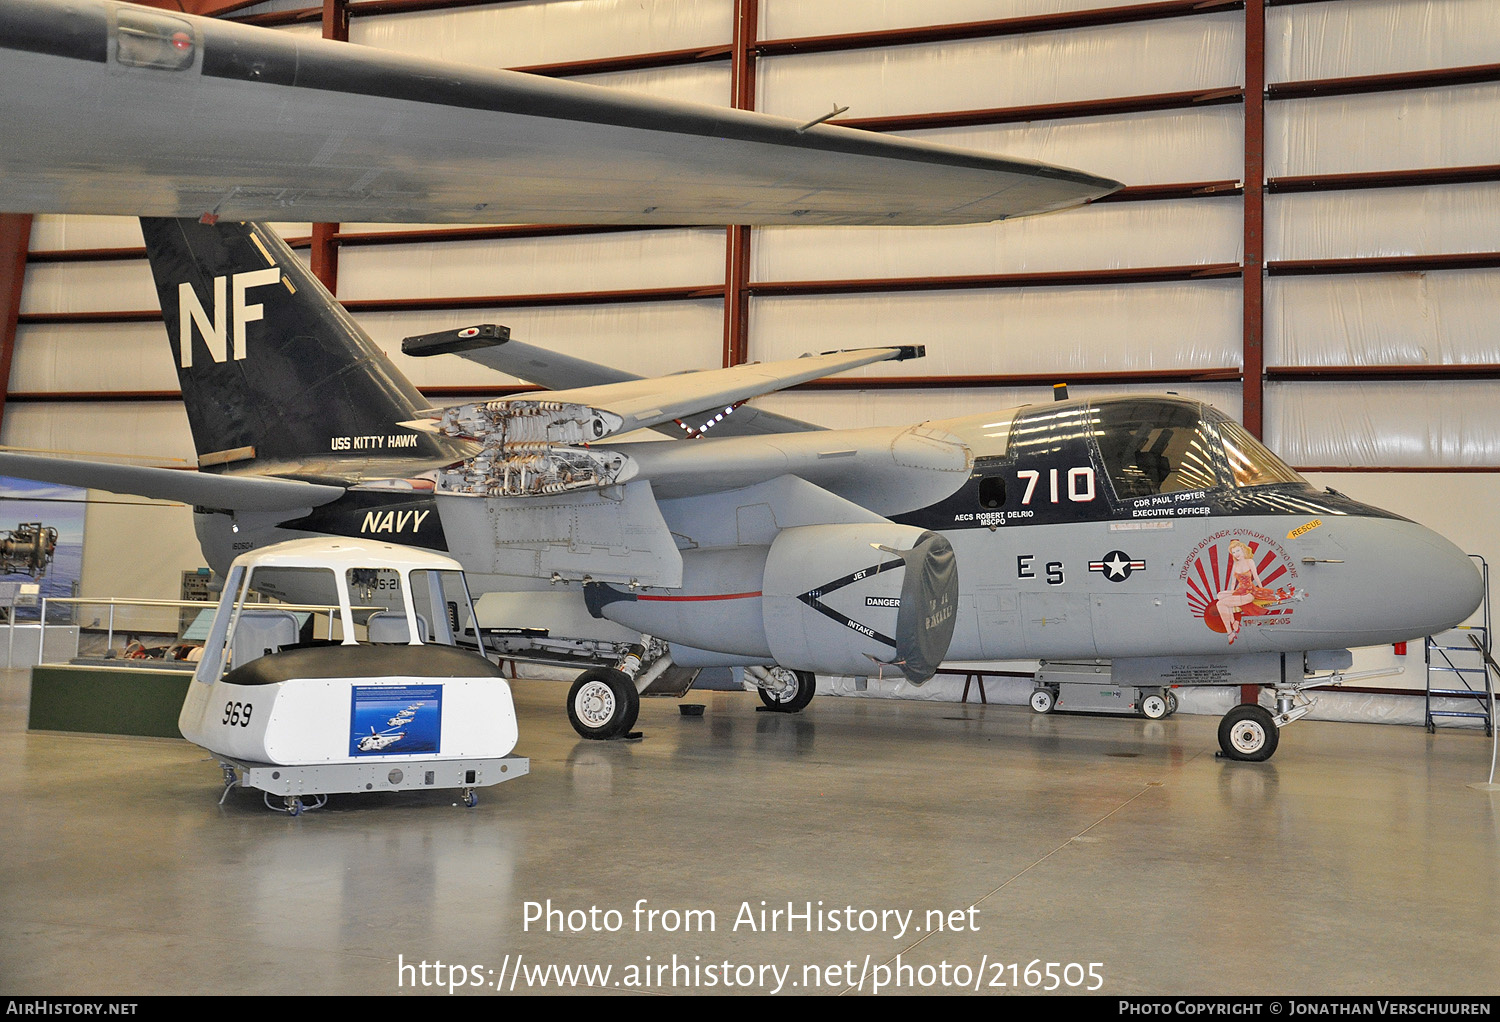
(1416, 581)
(1449, 587)
(1373, 579)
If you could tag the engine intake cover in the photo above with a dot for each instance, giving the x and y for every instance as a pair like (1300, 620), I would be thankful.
(847, 599)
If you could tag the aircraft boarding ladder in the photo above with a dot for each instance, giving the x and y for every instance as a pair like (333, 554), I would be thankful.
(1458, 657)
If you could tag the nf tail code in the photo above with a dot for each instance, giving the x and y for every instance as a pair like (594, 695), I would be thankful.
(215, 330)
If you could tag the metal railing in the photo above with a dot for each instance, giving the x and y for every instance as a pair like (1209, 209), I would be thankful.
(113, 602)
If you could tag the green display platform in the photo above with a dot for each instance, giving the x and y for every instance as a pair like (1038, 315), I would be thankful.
(107, 700)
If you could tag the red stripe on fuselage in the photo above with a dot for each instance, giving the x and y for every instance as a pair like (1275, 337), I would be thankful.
(692, 599)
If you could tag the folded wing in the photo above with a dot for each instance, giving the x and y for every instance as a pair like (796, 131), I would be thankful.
(114, 109)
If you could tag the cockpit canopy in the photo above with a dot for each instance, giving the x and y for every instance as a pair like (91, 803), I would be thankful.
(1154, 445)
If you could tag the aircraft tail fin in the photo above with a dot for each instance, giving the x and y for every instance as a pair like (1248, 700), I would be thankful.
(272, 367)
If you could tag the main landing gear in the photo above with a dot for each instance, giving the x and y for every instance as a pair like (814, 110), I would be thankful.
(784, 690)
(603, 703)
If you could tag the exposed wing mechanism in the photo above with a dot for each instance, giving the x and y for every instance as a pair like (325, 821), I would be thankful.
(491, 346)
(201, 489)
(115, 109)
(542, 444)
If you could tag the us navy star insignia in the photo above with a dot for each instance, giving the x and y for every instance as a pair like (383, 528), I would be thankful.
(1117, 565)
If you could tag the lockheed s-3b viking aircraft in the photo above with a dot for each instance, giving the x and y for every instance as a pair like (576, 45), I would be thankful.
(1151, 532)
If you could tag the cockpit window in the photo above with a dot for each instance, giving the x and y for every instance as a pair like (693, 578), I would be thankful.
(1150, 447)
(1250, 462)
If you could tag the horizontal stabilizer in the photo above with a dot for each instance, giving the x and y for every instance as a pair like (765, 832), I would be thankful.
(201, 489)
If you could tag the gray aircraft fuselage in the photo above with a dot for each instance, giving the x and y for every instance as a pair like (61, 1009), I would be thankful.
(1114, 528)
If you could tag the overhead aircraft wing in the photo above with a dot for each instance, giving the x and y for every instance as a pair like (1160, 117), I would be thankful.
(586, 415)
(490, 346)
(201, 489)
(110, 108)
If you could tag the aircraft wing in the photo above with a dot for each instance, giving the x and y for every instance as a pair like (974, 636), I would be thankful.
(202, 489)
(111, 108)
(491, 346)
(586, 415)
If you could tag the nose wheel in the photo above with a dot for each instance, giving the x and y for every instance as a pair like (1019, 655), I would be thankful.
(1248, 733)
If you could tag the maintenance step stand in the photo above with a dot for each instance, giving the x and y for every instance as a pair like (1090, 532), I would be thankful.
(1465, 661)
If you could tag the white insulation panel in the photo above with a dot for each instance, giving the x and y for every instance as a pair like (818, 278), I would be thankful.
(795, 19)
(853, 409)
(1411, 130)
(1105, 236)
(1015, 330)
(1441, 318)
(69, 232)
(154, 430)
(54, 232)
(1451, 423)
(1373, 222)
(1343, 40)
(691, 83)
(547, 32)
(523, 266)
(1156, 147)
(106, 285)
(92, 357)
(648, 338)
(1173, 55)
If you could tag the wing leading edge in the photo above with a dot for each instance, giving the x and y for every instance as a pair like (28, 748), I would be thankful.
(110, 108)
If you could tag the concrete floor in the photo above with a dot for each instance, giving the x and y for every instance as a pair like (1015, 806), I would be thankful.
(1358, 861)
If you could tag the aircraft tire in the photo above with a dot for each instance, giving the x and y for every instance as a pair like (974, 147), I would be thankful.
(603, 704)
(1248, 733)
(1172, 703)
(1154, 706)
(795, 697)
(1043, 700)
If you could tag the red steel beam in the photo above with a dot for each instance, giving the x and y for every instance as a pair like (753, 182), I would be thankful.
(737, 238)
(15, 237)
(324, 263)
(1385, 264)
(1045, 111)
(1385, 179)
(1058, 278)
(1396, 373)
(997, 27)
(1253, 405)
(1399, 81)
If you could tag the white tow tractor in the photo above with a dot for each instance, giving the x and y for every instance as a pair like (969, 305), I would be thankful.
(354, 683)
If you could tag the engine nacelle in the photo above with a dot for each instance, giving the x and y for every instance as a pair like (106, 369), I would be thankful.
(833, 599)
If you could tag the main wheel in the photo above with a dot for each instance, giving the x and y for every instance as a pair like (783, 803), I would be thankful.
(1248, 733)
(603, 703)
(1043, 700)
(1172, 702)
(795, 695)
(1154, 706)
